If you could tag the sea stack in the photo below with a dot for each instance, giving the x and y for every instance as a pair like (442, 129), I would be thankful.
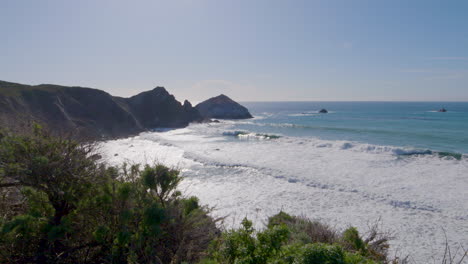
(222, 107)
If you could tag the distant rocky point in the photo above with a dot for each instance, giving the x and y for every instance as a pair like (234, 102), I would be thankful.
(96, 114)
(222, 107)
(323, 111)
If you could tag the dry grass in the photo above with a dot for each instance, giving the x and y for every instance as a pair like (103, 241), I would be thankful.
(305, 230)
(453, 257)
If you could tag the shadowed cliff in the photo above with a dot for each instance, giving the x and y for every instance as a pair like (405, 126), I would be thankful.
(91, 112)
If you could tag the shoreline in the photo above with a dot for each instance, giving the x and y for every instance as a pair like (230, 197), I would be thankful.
(238, 187)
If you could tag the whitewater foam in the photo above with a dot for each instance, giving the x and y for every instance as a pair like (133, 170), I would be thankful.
(415, 192)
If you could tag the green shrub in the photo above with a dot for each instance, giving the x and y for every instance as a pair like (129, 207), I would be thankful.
(352, 239)
(190, 205)
(321, 253)
(79, 211)
(272, 245)
(245, 246)
(374, 247)
(354, 258)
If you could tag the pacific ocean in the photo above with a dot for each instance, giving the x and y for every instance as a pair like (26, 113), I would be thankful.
(401, 164)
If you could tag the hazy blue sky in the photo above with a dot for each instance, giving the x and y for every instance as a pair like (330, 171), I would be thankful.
(250, 50)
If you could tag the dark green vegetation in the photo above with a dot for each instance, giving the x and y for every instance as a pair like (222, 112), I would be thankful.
(58, 204)
(291, 239)
(70, 209)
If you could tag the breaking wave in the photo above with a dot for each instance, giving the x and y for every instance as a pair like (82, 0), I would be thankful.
(343, 145)
(249, 135)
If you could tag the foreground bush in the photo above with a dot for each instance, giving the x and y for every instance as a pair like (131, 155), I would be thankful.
(285, 241)
(75, 210)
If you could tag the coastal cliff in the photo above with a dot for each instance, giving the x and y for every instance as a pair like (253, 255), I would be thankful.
(93, 112)
(96, 114)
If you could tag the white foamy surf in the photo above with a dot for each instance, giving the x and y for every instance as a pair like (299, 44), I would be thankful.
(416, 194)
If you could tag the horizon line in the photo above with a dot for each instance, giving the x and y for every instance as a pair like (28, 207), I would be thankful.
(355, 101)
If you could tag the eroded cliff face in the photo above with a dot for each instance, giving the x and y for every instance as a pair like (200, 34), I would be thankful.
(93, 112)
(222, 107)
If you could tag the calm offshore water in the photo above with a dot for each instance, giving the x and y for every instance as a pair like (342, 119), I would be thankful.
(406, 124)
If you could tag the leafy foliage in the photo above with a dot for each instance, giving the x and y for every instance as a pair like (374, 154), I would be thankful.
(79, 211)
(244, 246)
(289, 240)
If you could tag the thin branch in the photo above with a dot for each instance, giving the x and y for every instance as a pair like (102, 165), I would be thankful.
(10, 184)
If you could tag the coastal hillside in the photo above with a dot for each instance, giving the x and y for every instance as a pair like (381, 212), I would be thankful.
(93, 112)
(96, 114)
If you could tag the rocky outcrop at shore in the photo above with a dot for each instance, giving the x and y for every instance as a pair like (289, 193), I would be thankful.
(222, 107)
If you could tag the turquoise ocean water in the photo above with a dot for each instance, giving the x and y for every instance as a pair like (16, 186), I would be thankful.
(416, 125)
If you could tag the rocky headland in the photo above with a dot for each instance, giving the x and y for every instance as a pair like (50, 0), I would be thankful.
(97, 114)
(222, 107)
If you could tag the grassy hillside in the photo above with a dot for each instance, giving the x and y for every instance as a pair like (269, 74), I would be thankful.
(16, 89)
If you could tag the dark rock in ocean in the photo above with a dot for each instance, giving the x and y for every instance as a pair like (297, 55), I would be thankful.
(442, 110)
(92, 113)
(323, 111)
(222, 107)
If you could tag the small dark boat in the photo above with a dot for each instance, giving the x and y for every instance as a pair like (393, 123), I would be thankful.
(442, 110)
(323, 111)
